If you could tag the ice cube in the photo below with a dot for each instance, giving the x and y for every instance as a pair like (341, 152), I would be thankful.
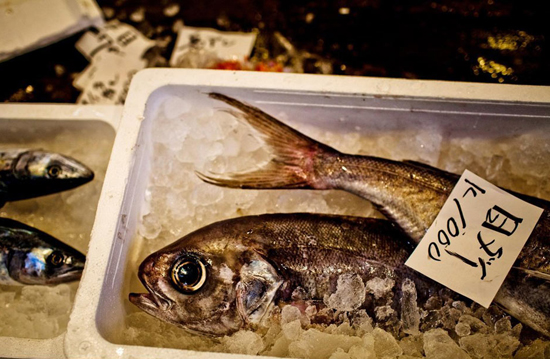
(314, 344)
(205, 194)
(380, 287)
(538, 349)
(385, 344)
(438, 345)
(489, 346)
(410, 315)
(383, 312)
(476, 325)
(503, 325)
(462, 329)
(412, 345)
(150, 226)
(362, 352)
(340, 354)
(175, 106)
(362, 322)
(350, 293)
(243, 342)
(290, 313)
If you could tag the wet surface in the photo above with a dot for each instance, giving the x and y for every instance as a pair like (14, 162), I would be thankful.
(492, 41)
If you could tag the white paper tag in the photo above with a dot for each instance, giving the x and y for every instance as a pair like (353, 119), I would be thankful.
(107, 81)
(221, 44)
(114, 37)
(475, 239)
(116, 54)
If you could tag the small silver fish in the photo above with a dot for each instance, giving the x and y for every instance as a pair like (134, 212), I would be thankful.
(30, 256)
(409, 193)
(231, 274)
(31, 173)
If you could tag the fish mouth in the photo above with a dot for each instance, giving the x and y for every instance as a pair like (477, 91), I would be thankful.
(144, 301)
(70, 275)
(150, 303)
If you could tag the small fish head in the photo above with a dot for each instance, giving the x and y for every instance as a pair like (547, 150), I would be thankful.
(41, 173)
(47, 265)
(191, 289)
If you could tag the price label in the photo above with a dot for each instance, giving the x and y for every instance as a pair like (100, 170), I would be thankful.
(223, 45)
(475, 239)
(115, 52)
(114, 37)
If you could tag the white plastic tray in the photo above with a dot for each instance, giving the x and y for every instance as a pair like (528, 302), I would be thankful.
(98, 315)
(50, 117)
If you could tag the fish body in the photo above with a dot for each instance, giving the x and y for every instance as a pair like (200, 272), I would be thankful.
(31, 173)
(229, 275)
(409, 193)
(30, 256)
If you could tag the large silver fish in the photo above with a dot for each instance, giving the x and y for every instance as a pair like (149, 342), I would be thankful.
(230, 274)
(30, 256)
(32, 173)
(409, 193)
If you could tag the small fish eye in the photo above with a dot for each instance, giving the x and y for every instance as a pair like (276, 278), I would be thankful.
(54, 171)
(188, 274)
(56, 258)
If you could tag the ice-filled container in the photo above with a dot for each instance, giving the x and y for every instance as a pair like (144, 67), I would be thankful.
(170, 128)
(34, 318)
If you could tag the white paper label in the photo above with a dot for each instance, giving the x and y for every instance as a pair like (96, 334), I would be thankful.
(221, 44)
(116, 54)
(114, 37)
(475, 239)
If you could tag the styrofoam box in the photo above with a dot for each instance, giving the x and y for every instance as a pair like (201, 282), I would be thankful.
(24, 125)
(99, 312)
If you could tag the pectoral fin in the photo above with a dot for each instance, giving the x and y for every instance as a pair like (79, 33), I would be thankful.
(256, 289)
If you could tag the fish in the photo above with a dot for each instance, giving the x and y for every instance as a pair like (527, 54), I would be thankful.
(230, 275)
(408, 193)
(28, 173)
(29, 256)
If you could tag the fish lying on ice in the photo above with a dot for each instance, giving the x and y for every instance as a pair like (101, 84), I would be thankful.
(31, 173)
(230, 274)
(30, 256)
(409, 193)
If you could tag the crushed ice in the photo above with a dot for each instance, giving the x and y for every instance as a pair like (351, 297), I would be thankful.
(188, 137)
(39, 311)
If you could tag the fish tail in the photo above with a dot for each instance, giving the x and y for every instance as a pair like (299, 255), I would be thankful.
(526, 299)
(295, 154)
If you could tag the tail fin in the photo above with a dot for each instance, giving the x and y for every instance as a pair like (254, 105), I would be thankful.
(294, 153)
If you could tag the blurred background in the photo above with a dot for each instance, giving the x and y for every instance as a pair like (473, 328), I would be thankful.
(492, 41)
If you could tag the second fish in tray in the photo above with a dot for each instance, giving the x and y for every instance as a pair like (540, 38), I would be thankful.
(410, 194)
(30, 256)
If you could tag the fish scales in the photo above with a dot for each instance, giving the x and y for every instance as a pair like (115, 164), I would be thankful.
(409, 193)
(312, 251)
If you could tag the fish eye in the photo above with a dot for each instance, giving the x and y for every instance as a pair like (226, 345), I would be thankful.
(188, 274)
(54, 171)
(56, 258)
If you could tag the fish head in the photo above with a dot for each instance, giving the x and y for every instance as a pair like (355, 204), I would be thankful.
(46, 264)
(190, 289)
(40, 173)
(212, 287)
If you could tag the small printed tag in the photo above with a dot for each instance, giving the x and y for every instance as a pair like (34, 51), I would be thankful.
(115, 52)
(114, 37)
(222, 45)
(475, 239)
